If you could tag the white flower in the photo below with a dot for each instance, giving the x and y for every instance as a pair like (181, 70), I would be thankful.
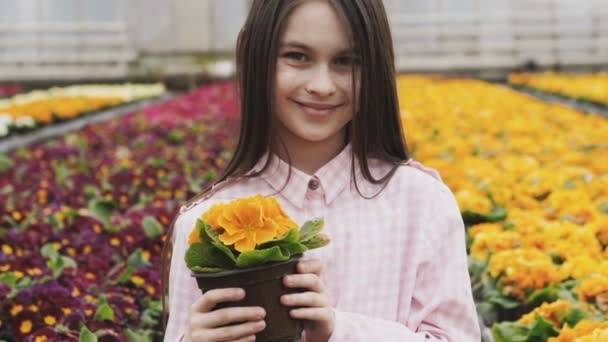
(25, 122)
(5, 119)
(3, 130)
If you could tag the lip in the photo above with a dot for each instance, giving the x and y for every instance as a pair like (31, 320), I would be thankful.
(316, 108)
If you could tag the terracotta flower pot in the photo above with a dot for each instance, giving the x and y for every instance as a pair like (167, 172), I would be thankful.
(264, 287)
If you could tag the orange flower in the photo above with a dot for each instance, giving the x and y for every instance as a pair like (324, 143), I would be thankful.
(274, 214)
(244, 225)
(194, 237)
(212, 215)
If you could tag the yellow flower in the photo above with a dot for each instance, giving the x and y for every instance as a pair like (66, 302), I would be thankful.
(582, 332)
(524, 269)
(25, 327)
(493, 242)
(50, 320)
(549, 311)
(474, 201)
(591, 287)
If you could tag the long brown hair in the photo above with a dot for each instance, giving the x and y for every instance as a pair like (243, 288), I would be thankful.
(375, 130)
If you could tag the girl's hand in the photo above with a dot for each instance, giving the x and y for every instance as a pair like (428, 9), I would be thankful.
(313, 305)
(207, 324)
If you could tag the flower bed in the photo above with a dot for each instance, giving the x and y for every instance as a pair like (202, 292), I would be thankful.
(25, 112)
(532, 181)
(82, 217)
(530, 178)
(591, 88)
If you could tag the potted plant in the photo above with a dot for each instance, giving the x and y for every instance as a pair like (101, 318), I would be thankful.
(252, 243)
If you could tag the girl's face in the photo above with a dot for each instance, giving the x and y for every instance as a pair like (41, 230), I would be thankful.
(313, 95)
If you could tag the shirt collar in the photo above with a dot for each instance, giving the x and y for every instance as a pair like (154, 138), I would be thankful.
(333, 177)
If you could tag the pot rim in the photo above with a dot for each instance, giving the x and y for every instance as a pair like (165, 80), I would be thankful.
(244, 270)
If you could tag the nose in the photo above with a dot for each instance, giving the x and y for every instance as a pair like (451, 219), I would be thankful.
(321, 82)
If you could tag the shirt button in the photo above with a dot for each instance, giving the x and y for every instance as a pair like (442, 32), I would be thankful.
(314, 183)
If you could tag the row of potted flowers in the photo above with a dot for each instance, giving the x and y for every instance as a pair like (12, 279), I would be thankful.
(83, 218)
(532, 181)
(42, 107)
(586, 87)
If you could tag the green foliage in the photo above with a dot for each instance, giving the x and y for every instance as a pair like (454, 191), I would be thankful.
(104, 310)
(152, 228)
(211, 255)
(540, 330)
(87, 335)
(56, 262)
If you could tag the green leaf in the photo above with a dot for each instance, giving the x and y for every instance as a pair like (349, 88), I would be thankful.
(488, 312)
(542, 330)
(9, 278)
(227, 251)
(68, 262)
(604, 207)
(574, 316)
(90, 191)
(5, 162)
(497, 214)
(49, 252)
(103, 209)
(136, 259)
(206, 255)
(104, 311)
(176, 136)
(139, 335)
(260, 257)
(504, 302)
(310, 229)
(208, 234)
(156, 162)
(319, 240)
(545, 295)
(510, 332)
(291, 237)
(61, 173)
(152, 228)
(292, 248)
(86, 335)
(25, 282)
(125, 277)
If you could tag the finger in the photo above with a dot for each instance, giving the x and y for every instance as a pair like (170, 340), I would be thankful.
(310, 266)
(312, 314)
(304, 281)
(236, 332)
(305, 299)
(222, 317)
(249, 338)
(211, 298)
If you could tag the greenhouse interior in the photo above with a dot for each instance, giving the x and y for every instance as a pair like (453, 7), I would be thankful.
(114, 114)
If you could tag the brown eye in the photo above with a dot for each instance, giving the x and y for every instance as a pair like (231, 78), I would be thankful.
(295, 56)
(347, 60)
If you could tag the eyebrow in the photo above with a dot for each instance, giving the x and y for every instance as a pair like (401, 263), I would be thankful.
(295, 44)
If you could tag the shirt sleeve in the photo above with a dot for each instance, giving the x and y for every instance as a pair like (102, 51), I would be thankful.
(183, 290)
(442, 306)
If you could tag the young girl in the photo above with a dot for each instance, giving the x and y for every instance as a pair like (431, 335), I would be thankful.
(321, 131)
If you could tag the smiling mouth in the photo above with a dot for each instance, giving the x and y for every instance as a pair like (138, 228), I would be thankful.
(317, 109)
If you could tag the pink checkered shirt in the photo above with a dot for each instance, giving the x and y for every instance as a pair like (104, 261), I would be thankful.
(396, 267)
